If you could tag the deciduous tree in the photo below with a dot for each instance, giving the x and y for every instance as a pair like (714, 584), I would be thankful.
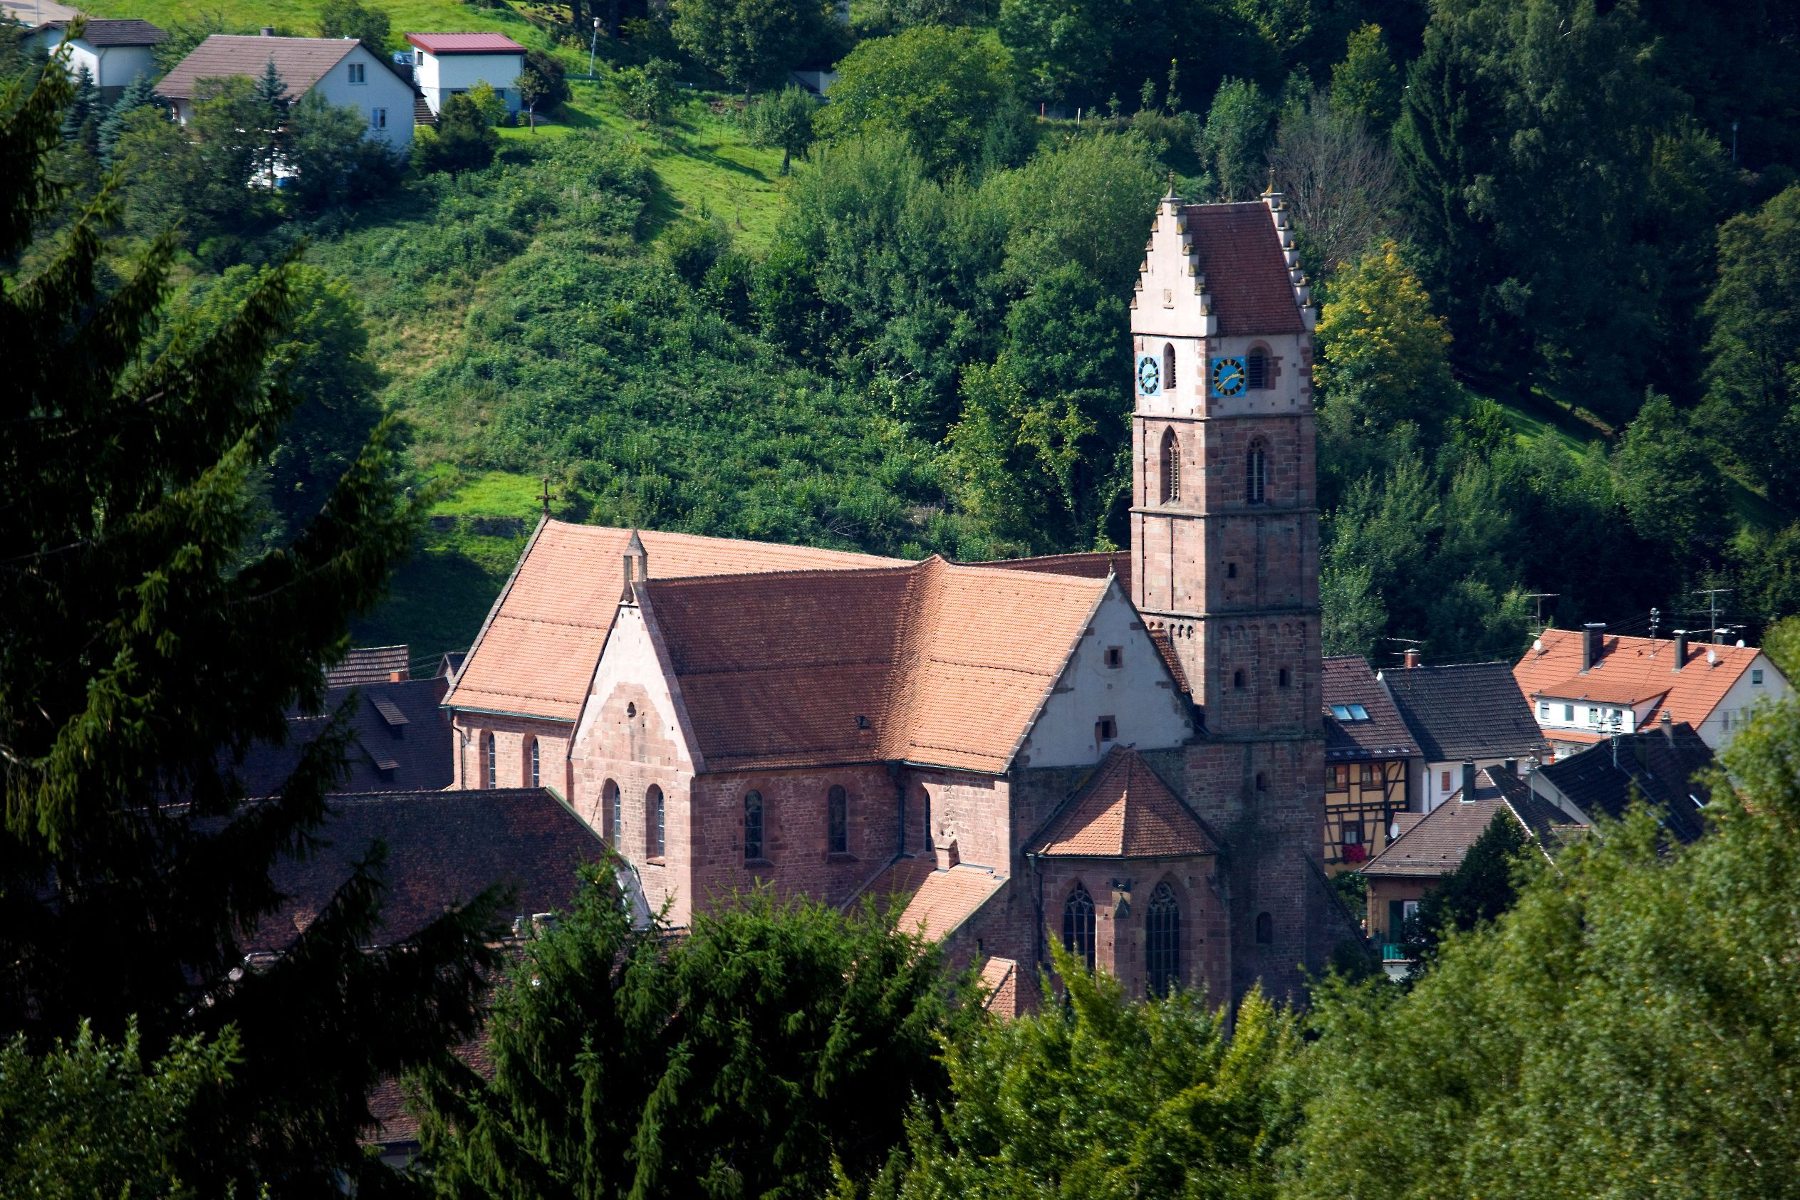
(938, 88)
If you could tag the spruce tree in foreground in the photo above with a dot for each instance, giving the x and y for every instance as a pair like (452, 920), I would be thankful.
(141, 649)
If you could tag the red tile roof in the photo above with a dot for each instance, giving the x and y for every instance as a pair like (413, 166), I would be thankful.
(947, 665)
(1246, 272)
(536, 653)
(1124, 810)
(947, 899)
(1435, 844)
(302, 62)
(1000, 976)
(1632, 670)
(367, 664)
(465, 43)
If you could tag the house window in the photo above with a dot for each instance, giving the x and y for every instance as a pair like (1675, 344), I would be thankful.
(654, 810)
(1756, 677)
(1171, 467)
(1341, 776)
(1255, 474)
(1368, 773)
(1724, 717)
(1078, 925)
(1262, 782)
(1106, 729)
(1352, 835)
(1257, 376)
(1543, 710)
(1162, 941)
(1231, 570)
(614, 813)
(493, 762)
(1281, 677)
(1237, 680)
(1593, 716)
(1115, 656)
(356, 73)
(837, 820)
(1444, 783)
(753, 826)
(1569, 713)
(378, 118)
(533, 763)
(1265, 929)
(1168, 367)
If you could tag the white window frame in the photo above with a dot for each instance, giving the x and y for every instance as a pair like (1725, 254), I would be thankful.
(359, 72)
(378, 118)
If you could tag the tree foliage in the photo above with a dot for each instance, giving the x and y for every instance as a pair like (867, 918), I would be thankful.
(1235, 140)
(773, 1045)
(352, 19)
(1366, 84)
(145, 648)
(464, 140)
(750, 43)
(937, 88)
(784, 120)
(1383, 352)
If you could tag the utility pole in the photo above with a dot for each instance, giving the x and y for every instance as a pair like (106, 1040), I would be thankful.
(1540, 597)
(1712, 606)
(593, 46)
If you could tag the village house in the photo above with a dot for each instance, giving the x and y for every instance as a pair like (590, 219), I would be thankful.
(1467, 712)
(1123, 751)
(1665, 767)
(112, 52)
(1584, 685)
(445, 64)
(1369, 758)
(341, 70)
(1434, 845)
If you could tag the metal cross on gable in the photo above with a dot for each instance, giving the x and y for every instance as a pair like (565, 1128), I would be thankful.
(545, 497)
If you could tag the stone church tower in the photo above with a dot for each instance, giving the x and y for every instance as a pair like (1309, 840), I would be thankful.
(1225, 554)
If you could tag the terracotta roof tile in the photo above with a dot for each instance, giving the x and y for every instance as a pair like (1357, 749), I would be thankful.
(443, 847)
(117, 32)
(947, 664)
(1246, 272)
(537, 651)
(1124, 810)
(465, 43)
(302, 62)
(1000, 976)
(1349, 680)
(1632, 670)
(946, 899)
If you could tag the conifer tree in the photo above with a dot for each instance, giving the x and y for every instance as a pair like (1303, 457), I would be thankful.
(137, 94)
(142, 651)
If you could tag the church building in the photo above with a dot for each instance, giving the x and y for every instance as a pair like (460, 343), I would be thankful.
(1118, 751)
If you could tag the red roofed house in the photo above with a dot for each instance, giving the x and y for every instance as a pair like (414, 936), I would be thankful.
(447, 63)
(1122, 754)
(1585, 684)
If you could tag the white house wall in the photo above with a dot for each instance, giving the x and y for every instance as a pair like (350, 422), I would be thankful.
(107, 66)
(1741, 700)
(1138, 695)
(380, 89)
(445, 75)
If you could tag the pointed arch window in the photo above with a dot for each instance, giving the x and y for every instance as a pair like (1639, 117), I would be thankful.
(653, 807)
(1171, 467)
(1078, 925)
(533, 763)
(610, 798)
(837, 820)
(1265, 929)
(492, 766)
(1162, 941)
(1168, 366)
(753, 826)
(1255, 473)
(1259, 373)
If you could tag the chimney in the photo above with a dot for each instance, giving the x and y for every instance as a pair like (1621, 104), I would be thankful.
(1719, 637)
(1680, 650)
(1593, 637)
(268, 31)
(1511, 765)
(399, 676)
(1412, 657)
(1667, 725)
(1468, 787)
(947, 855)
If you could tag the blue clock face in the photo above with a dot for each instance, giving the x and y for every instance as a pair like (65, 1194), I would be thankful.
(1227, 376)
(1149, 376)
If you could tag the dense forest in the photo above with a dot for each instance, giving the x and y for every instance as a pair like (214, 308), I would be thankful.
(1552, 243)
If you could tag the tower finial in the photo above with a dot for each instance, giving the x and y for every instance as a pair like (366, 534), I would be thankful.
(1270, 190)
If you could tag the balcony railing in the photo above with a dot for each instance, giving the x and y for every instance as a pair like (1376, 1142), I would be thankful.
(1393, 952)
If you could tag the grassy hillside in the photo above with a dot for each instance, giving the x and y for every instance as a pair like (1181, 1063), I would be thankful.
(301, 17)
